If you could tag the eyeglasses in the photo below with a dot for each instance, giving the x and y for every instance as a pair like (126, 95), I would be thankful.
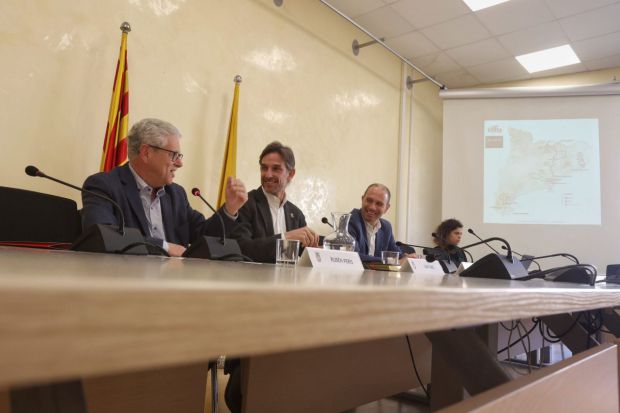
(175, 156)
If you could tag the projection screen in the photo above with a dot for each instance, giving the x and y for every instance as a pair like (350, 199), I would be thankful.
(539, 169)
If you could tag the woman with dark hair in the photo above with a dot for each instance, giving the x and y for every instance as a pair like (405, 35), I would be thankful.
(447, 237)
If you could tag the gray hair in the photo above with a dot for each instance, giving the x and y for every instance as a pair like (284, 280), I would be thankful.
(380, 186)
(149, 131)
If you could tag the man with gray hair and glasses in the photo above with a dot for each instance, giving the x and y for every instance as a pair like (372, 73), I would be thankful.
(149, 198)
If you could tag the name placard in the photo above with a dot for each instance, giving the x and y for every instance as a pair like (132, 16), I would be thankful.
(334, 259)
(421, 266)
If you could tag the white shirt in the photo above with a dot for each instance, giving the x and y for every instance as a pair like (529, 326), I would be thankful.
(371, 235)
(152, 209)
(277, 212)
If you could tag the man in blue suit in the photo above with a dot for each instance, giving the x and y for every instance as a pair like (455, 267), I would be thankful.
(149, 198)
(372, 233)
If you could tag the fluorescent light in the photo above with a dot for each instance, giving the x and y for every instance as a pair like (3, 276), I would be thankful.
(548, 59)
(476, 5)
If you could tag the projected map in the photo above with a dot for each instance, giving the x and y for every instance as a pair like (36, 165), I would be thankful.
(542, 172)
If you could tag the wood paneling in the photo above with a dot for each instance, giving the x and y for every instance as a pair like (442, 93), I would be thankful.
(171, 390)
(347, 376)
(587, 382)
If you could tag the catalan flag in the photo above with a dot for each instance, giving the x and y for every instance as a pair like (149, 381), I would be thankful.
(115, 144)
(229, 168)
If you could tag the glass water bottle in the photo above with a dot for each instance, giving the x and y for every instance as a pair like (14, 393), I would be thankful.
(340, 239)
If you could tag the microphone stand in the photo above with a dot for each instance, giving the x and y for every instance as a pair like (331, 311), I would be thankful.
(526, 258)
(471, 231)
(465, 252)
(495, 265)
(196, 192)
(560, 254)
(106, 238)
(509, 250)
(399, 244)
(215, 248)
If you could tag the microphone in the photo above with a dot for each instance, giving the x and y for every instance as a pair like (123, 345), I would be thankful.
(434, 254)
(326, 221)
(559, 254)
(196, 192)
(403, 244)
(575, 273)
(413, 246)
(486, 241)
(496, 265)
(214, 248)
(99, 237)
(526, 258)
(34, 171)
(471, 231)
(438, 254)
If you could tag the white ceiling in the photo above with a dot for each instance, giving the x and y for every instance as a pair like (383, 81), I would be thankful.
(461, 48)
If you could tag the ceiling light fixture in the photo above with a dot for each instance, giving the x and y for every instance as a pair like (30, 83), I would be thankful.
(476, 5)
(548, 59)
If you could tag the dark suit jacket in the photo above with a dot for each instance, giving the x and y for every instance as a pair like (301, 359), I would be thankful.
(182, 224)
(384, 240)
(255, 236)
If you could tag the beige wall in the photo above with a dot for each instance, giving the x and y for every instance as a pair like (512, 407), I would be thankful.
(301, 84)
(346, 117)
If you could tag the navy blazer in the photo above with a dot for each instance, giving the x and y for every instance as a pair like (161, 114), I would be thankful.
(182, 224)
(384, 240)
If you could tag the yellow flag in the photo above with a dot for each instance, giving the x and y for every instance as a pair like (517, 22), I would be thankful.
(229, 168)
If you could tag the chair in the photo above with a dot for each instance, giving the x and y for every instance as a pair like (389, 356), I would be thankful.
(29, 216)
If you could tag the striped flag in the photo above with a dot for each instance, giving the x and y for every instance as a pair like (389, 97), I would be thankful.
(229, 168)
(115, 144)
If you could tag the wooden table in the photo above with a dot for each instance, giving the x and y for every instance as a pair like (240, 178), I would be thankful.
(67, 315)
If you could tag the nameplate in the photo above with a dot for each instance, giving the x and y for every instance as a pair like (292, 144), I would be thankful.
(333, 259)
(421, 266)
